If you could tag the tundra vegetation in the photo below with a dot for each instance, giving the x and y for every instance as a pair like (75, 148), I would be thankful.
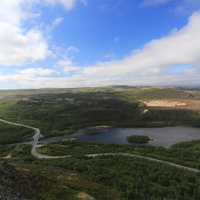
(60, 112)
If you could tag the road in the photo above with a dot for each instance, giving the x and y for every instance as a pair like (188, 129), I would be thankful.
(38, 135)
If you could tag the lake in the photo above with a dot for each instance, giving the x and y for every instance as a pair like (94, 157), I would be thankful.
(165, 136)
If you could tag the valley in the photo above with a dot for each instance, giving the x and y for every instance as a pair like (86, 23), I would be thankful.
(98, 166)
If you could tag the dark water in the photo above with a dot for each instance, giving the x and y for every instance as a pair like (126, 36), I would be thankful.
(165, 136)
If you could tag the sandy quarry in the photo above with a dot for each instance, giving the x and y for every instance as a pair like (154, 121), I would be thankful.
(161, 103)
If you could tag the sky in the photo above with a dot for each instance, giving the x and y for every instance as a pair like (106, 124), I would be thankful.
(91, 43)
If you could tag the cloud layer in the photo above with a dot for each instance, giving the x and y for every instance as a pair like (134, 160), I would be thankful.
(154, 64)
(180, 47)
(19, 46)
(67, 4)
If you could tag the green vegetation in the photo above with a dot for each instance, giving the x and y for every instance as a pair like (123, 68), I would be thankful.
(94, 132)
(64, 111)
(106, 177)
(176, 153)
(138, 139)
(45, 183)
(16, 153)
(130, 178)
(159, 93)
(14, 134)
(171, 117)
(6, 149)
(61, 114)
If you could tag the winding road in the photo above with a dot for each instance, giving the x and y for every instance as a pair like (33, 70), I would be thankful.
(38, 135)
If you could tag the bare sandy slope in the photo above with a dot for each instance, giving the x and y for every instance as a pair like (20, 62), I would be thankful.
(162, 103)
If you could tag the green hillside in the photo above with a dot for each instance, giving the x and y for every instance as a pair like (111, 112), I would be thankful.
(160, 93)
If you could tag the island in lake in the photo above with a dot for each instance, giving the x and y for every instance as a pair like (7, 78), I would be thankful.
(138, 139)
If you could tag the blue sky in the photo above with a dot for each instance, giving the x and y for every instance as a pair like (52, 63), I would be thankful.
(87, 43)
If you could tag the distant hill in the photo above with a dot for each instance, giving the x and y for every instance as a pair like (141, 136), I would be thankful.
(160, 93)
(194, 88)
(137, 92)
(129, 87)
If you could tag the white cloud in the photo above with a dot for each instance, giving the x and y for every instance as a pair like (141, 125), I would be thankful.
(183, 7)
(67, 4)
(109, 55)
(12, 12)
(187, 77)
(36, 72)
(65, 62)
(72, 49)
(187, 7)
(149, 65)
(68, 66)
(74, 69)
(19, 45)
(55, 23)
(180, 47)
(147, 3)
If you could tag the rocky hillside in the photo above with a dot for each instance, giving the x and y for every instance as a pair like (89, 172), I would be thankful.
(36, 182)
